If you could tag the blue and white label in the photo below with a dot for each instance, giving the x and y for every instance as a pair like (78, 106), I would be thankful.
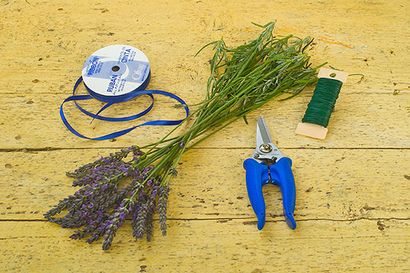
(115, 70)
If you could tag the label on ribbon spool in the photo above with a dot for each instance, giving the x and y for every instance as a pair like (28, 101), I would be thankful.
(115, 70)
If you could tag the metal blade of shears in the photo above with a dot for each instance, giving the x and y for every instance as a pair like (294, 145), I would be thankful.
(262, 133)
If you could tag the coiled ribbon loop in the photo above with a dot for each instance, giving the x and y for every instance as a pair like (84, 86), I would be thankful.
(111, 100)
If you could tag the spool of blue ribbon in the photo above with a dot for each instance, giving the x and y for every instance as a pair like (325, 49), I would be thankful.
(116, 74)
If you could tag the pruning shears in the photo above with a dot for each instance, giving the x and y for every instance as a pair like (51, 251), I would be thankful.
(269, 165)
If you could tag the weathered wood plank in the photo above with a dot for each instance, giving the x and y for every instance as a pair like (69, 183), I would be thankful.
(214, 246)
(375, 120)
(58, 59)
(352, 207)
(60, 41)
(331, 184)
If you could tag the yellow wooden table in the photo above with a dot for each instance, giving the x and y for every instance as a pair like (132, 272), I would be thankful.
(352, 189)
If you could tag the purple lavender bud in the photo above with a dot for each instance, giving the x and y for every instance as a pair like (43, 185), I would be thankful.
(150, 183)
(122, 217)
(88, 193)
(154, 192)
(146, 170)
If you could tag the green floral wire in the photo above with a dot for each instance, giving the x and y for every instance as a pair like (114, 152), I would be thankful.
(323, 101)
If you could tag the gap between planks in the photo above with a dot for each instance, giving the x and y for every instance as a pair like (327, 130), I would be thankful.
(50, 149)
(252, 219)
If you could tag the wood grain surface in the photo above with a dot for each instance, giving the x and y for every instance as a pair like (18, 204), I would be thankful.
(353, 205)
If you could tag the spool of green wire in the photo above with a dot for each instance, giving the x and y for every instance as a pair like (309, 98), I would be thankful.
(324, 98)
(321, 106)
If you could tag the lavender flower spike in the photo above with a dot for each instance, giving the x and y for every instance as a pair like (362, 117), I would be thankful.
(113, 224)
(162, 208)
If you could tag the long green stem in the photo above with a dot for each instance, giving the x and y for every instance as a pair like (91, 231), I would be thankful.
(242, 79)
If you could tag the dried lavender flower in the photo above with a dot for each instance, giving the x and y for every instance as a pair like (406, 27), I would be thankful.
(113, 224)
(139, 217)
(162, 208)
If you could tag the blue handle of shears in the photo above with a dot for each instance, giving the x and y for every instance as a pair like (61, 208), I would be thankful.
(281, 174)
(257, 175)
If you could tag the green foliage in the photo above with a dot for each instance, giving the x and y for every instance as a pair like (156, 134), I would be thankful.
(242, 79)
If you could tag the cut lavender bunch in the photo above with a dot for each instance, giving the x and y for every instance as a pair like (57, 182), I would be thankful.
(102, 204)
(121, 186)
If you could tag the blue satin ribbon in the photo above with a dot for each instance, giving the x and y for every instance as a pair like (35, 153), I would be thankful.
(110, 100)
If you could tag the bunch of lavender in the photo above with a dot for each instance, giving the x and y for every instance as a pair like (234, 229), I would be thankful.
(102, 203)
(242, 79)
